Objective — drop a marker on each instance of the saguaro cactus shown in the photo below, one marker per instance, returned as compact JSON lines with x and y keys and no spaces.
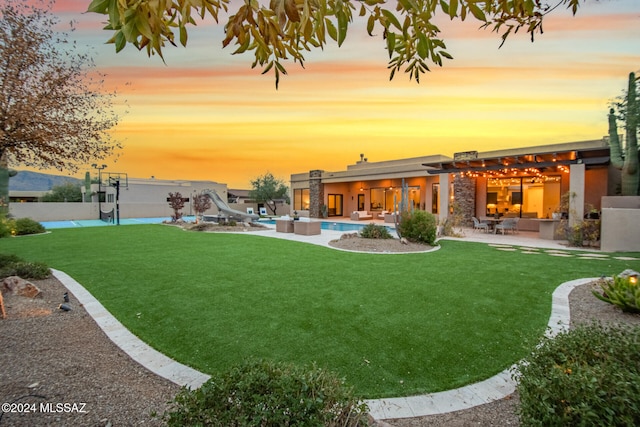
{"x":627,"y":162}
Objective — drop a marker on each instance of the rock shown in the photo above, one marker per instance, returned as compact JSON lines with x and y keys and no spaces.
{"x":628,"y":273}
{"x":18,"y":286}
{"x":404,"y":241}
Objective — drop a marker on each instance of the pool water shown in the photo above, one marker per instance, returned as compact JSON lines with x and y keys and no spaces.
{"x":336,"y":226}
{"x":50,"y":225}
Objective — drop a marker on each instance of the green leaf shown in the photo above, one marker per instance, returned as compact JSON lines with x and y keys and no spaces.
{"x":370,"y":24}
{"x":98,"y":6}
{"x":391,"y":19}
{"x":453,"y":9}
{"x":120,"y":41}
{"x":423,"y":46}
{"x":444,"y":6}
{"x":391,"y":43}
{"x":331,"y":29}
{"x":477,"y":12}
{"x":343,"y":24}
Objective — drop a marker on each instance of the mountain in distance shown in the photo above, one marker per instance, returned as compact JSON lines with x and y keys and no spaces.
{"x":35,"y":181}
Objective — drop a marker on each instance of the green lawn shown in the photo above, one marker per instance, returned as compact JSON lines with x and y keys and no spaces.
{"x":391,"y":325}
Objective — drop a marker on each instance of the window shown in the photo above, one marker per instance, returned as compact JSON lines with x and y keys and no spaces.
{"x":301,"y":199}
{"x":528,"y":197}
{"x":388,"y":199}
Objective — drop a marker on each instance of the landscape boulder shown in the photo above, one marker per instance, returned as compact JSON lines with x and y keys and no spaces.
{"x":21,"y":287}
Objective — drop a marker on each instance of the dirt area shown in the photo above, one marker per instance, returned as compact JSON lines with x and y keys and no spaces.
{"x":50,"y":356}
{"x":351,"y":242}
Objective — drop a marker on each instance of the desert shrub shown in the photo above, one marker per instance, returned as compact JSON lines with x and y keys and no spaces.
{"x":262,"y":393}
{"x":375,"y":231}
{"x":418,"y":226}
{"x":26,"y":270}
{"x":12,"y":265}
{"x":8,"y":259}
{"x":588,"y":376}
{"x":621,"y":290}
{"x":24,"y":226}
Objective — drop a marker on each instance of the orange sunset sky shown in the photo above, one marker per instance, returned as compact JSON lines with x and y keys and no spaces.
{"x":206,"y":115}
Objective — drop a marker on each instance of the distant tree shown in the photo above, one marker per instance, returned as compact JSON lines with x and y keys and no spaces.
{"x":283,"y":30}
{"x":267,"y":189}
{"x":52,"y":112}
{"x":201,"y":202}
{"x":177,"y":203}
{"x":67,"y":192}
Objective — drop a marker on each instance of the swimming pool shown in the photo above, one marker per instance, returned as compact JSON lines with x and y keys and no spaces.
{"x":336,"y":226}
{"x":51,"y":225}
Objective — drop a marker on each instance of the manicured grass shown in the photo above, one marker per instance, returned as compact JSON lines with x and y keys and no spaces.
{"x":390,"y":324}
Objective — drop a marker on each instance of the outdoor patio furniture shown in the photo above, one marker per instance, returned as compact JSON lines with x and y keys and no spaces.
{"x":306,"y":227}
{"x":480,"y":225}
{"x":360,"y":215}
{"x":284,"y":225}
{"x":508,"y":224}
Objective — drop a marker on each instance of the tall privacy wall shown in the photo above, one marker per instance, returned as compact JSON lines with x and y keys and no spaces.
{"x":80,"y":211}
{"x":620,"y":224}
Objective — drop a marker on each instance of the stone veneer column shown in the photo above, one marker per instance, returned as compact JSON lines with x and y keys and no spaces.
{"x":464,"y":195}
{"x":316,"y":194}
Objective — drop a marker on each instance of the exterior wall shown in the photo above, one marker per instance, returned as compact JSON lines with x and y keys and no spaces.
{"x":142,"y":198}
{"x":619,"y":230}
{"x":54,"y":211}
{"x":596,"y":186}
{"x":619,"y":224}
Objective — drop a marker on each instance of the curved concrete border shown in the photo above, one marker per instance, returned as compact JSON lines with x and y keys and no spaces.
{"x":494,"y":388}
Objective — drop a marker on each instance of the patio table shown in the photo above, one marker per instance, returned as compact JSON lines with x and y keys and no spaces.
{"x":492,"y":222}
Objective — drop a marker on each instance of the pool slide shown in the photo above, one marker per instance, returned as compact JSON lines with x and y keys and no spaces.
{"x":225,"y":209}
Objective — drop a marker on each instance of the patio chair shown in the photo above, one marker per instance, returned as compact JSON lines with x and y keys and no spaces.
{"x":480,"y":225}
{"x":508,"y":224}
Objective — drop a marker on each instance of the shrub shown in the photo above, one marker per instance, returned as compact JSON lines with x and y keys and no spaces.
{"x":24,"y":226}
{"x":262,"y":393}
{"x":418,"y":226}
{"x":6,"y":225}
{"x":12,"y":265}
{"x":589,"y":376}
{"x":8,"y":259}
{"x":374,"y":231}
{"x":621,"y":290}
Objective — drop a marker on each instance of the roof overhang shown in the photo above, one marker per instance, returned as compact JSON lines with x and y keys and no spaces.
{"x":541,"y":162}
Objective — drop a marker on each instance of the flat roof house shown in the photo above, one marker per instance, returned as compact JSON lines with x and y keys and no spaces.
{"x":523,"y":182}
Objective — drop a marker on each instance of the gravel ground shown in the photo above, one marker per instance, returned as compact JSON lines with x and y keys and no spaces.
{"x":50,"y":357}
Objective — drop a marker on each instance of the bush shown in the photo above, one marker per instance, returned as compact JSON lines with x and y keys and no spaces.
{"x":8,"y":259}
{"x":589,"y":376}
{"x":374,"y":231}
{"x":6,"y":226}
{"x":262,"y":393}
{"x":418,"y":226}
{"x":12,"y":265}
{"x":24,"y":226}
{"x":621,"y":290}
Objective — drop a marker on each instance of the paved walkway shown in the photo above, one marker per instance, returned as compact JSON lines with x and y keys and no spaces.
{"x":494,"y":388}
